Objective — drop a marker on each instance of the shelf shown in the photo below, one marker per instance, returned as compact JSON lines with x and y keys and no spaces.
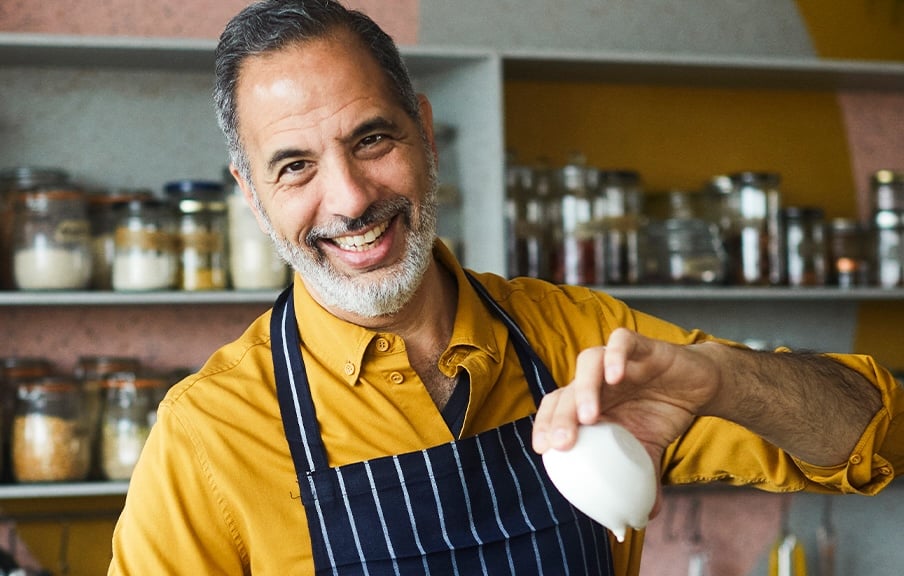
{"x":62,"y":490}
{"x":25,"y":49}
{"x":712,"y":71}
{"x":635,"y":293}
{"x":98,"y":298}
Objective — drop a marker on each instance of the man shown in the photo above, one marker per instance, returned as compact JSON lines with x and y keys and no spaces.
{"x":388,"y":415}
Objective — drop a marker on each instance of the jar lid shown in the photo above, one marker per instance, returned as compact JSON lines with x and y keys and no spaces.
{"x":15,"y":368}
{"x":192,"y":196}
{"x":137,"y":206}
{"x":754,"y":178}
{"x":132,"y":380}
{"x":99,"y":198}
{"x":25,"y":177}
{"x":887,"y":177}
{"x":803,"y":213}
{"x":53,"y":383}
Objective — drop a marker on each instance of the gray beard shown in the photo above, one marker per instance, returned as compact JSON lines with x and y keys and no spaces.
{"x":390,"y":288}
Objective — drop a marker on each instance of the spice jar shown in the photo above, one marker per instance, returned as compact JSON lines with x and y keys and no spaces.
{"x":888,"y":228}
{"x":201,"y":233}
{"x":129,"y":405}
{"x":574,"y":261}
{"x":805,"y":246}
{"x":254,"y":263}
{"x":753,"y":241}
{"x":617,"y":215}
{"x":51,"y":233}
{"x":848,"y":261}
{"x":144,"y":243}
{"x":50,"y":440}
{"x":102,"y":216}
{"x":528,"y":240}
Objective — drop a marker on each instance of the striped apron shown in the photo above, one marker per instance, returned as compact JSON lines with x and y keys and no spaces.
{"x":479,"y":505}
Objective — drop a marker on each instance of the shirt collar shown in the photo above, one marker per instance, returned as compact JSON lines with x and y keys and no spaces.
{"x":340,"y":346}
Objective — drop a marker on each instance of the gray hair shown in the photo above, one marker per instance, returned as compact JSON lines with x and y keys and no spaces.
{"x":270,"y":25}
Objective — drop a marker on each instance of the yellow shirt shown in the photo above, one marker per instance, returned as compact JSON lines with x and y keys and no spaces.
{"x":215,"y":490}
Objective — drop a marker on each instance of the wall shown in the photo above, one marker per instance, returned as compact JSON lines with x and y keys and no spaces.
{"x":677,"y":136}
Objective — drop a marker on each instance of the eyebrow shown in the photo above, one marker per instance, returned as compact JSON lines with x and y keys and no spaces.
{"x":375,"y":124}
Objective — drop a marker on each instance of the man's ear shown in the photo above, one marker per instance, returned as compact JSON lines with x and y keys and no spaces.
{"x":249,"y":196}
{"x":426,"y":110}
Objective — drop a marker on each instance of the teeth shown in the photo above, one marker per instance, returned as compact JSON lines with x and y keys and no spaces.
{"x":359,"y":242}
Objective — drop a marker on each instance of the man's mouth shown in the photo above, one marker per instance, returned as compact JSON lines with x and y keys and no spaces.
{"x":361,"y":242}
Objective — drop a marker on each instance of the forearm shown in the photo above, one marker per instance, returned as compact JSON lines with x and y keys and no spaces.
{"x":807,"y":404}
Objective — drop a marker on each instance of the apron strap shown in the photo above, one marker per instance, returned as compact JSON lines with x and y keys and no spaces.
{"x":307,"y":450}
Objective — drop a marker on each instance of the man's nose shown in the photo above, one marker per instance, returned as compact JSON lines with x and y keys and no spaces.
{"x":348,"y":189}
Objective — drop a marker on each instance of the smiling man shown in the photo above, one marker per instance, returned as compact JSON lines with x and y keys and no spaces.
{"x":387,"y":416}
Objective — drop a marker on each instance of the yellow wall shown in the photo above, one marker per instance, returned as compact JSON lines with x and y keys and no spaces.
{"x":855,"y":29}
{"x":678,"y":137}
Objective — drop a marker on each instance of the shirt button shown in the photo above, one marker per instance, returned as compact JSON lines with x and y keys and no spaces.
{"x":856,"y":459}
{"x":396,"y":378}
{"x":349,"y":368}
{"x":382,"y":344}
{"x":885,"y":470}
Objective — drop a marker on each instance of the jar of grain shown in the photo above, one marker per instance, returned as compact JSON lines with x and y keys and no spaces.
{"x":129,"y":405}
{"x":202,"y":234}
{"x":14,"y":371}
{"x":145,"y":246}
{"x":50,"y":439}
{"x":51,"y":234}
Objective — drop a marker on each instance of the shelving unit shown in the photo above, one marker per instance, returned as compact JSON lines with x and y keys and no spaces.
{"x":118,"y":94}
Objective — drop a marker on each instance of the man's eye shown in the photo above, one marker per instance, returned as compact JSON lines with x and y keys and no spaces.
{"x":295,"y":167}
{"x":372,"y":140}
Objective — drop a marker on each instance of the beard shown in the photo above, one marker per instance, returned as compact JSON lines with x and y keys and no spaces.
{"x":378,"y":293}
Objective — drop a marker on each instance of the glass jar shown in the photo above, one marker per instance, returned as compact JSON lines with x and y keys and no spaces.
{"x":13,"y":372}
{"x":617,"y":213}
{"x":254,"y":263}
{"x":887,"y":189}
{"x":201,"y":232}
{"x":805,"y":246}
{"x":527,"y":218}
{"x":847,"y":254}
{"x":145,"y":248}
{"x":51,"y":233}
{"x":129,"y":404}
{"x":575,"y":261}
{"x":754,"y":239}
{"x":448,"y":194}
{"x":102,"y":215}
{"x":50,"y":441}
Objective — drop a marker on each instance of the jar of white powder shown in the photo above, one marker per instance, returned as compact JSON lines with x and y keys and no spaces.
{"x":51,"y":234}
{"x":145,"y":255}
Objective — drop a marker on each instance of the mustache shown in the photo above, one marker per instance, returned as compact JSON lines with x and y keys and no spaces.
{"x":379,"y":211}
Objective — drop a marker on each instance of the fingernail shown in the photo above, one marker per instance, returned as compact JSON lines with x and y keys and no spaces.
{"x":585,"y":412}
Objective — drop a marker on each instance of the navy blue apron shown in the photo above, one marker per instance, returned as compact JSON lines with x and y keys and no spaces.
{"x":479,"y":505}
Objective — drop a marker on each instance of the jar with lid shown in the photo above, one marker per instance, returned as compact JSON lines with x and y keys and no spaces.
{"x":527,"y":219}
{"x":847,"y":254}
{"x":888,"y":228}
{"x":201,"y":232}
{"x":618,"y":214}
{"x":129,"y":404}
{"x":50,"y":441}
{"x":145,"y":246}
{"x":754,"y":239}
{"x":102,"y":215}
{"x":14,"y":371}
{"x":51,"y":233}
{"x":91,"y":372}
{"x":448,"y":193}
{"x":254,"y":263}
{"x":680,"y":247}
{"x":805,"y":245}
{"x":575,"y":258}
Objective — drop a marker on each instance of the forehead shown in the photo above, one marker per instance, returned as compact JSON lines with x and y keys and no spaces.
{"x":319,"y":71}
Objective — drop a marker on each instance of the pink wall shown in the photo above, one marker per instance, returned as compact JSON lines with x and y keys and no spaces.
{"x":172,"y":18}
